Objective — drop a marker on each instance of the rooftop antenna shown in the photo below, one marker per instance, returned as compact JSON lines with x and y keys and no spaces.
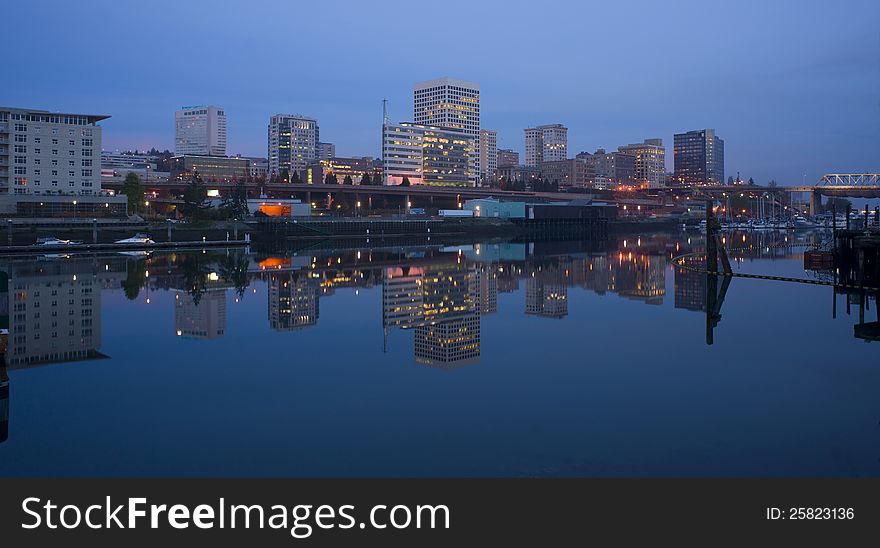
{"x":385,"y":120}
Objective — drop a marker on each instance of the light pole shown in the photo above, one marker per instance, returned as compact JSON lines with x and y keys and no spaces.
{"x":74,"y":209}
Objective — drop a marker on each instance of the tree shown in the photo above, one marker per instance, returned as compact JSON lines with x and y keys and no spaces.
{"x":347,"y":180}
{"x":365,"y":180}
{"x":194,"y":197}
{"x":330,"y":179}
{"x":837,"y":204}
{"x":134,"y":279}
{"x":135,"y":192}
{"x":730,"y":180}
{"x":772,"y":183}
{"x":294,"y":177}
{"x":405,"y":181}
{"x":751,"y":182}
{"x":236,"y":203}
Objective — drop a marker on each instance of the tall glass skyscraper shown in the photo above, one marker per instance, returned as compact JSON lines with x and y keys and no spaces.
{"x":699,"y":158}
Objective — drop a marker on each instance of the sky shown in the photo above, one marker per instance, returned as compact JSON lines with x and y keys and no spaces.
{"x":793,"y":87}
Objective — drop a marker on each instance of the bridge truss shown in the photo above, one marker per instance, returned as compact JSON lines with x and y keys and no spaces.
{"x":861,"y":180}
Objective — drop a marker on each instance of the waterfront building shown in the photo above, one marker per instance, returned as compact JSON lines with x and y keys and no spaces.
{"x":507,"y":158}
{"x":50,"y":164}
{"x":649,"y":166}
{"x":204,"y":318}
{"x":546,"y":143}
{"x":293,"y":144}
{"x":427,"y":155}
{"x":210,"y":168}
{"x":488,"y":154}
{"x":200,"y":130}
{"x":699,"y":158}
{"x":450,"y":103}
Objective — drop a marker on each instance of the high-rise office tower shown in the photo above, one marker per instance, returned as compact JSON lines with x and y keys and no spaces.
{"x":449,"y":102}
{"x":293,"y":144}
{"x":699,"y":158}
{"x":547,"y":143}
{"x":488,"y":160}
{"x":200,"y":130}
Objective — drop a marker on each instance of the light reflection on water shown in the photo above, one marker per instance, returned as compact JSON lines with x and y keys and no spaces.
{"x":488,"y":359}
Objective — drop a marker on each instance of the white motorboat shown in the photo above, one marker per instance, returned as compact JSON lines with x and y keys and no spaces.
{"x":52,"y":241}
{"x":138,"y":238}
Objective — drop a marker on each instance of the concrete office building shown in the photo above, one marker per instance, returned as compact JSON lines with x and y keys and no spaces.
{"x":547,"y":143}
{"x":326,"y":151}
{"x":451,"y":103}
{"x":649,"y":167}
{"x":427,"y":155}
{"x":507,"y":158}
{"x":355,"y":168}
{"x":50,"y":164}
{"x":259,"y":167}
{"x":571,"y":173}
{"x":200,"y":130}
{"x":608,"y":169}
{"x":488,"y":154}
{"x":293,"y":144}
{"x":699,"y":158}
{"x":210,"y":168}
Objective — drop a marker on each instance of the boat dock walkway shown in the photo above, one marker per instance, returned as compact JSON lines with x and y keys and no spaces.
{"x":35,"y":248}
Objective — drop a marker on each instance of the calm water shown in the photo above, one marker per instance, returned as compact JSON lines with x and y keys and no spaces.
{"x":479,"y":359}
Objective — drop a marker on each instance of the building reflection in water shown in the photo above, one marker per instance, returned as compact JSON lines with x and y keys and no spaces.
{"x":293,"y":300}
{"x":547,"y":293}
{"x":441,"y":303}
{"x":205,"y":319}
{"x":55,"y":309}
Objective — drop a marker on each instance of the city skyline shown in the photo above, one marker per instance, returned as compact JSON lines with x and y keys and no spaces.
{"x":789,"y":106}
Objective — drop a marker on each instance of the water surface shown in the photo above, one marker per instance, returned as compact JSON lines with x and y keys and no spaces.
{"x":473,"y":359}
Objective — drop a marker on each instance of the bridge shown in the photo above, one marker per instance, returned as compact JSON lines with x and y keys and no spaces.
{"x":366,"y":196}
{"x":842,"y":185}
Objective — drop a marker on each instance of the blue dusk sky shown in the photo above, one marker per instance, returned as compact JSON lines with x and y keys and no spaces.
{"x":793,"y":87}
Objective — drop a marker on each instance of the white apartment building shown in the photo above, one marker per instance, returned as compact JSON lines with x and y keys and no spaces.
{"x":427,"y":155}
{"x":488,"y":153}
{"x":451,"y":103}
{"x":50,"y":161}
{"x":200,"y":130}
{"x":547,"y":143}
{"x":293,"y":144}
